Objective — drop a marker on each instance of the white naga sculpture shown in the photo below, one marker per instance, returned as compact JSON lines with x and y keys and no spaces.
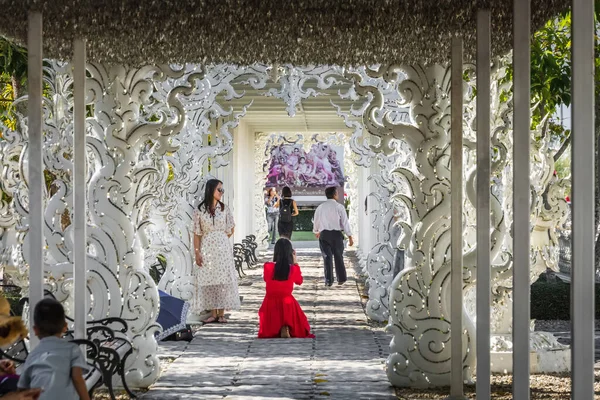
{"x":169,"y":228}
{"x":153,"y":131}
{"x":420,"y":303}
{"x":549,"y":210}
{"x":119,"y":189}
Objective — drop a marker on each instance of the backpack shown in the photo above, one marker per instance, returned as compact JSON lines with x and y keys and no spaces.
{"x":285,"y":210}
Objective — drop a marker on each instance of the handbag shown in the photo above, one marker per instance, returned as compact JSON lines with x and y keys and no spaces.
{"x":184,"y":334}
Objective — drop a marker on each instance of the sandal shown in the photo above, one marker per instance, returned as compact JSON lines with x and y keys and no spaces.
{"x":222,"y":320}
{"x":209,"y":320}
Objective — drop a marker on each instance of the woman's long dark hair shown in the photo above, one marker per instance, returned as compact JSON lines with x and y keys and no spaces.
{"x":283,"y":256}
{"x":286,"y":192}
{"x":209,"y":196}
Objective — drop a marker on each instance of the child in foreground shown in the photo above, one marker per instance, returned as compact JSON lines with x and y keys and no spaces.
{"x":280,"y":314}
{"x":55,"y":365}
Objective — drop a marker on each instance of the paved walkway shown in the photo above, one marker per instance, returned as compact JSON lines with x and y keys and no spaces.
{"x":345,"y":361}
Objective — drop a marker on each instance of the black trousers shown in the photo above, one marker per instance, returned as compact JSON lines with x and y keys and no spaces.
{"x":332,"y":249}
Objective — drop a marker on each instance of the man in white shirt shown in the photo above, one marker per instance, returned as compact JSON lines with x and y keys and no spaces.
{"x":329,"y":222}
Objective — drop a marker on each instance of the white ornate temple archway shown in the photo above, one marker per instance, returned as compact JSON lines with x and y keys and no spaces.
{"x":148,"y":162}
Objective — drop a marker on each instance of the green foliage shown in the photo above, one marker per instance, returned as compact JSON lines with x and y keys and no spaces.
{"x":171,"y":174}
{"x":5,"y":197}
{"x":49,"y":178}
{"x":563,"y":167}
{"x":552,"y":300}
{"x":303,"y":222}
{"x":551,"y":72}
{"x":7,"y":97}
{"x":13,"y":59}
{"x":154,"y":273}
{"x":13,"y":77}
{"x":551,"y":67}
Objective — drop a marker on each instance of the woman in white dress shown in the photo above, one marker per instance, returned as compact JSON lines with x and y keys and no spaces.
{"x":216,"y":280}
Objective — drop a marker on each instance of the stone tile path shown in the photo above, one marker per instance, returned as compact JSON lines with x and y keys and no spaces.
{"x":345,"y":361}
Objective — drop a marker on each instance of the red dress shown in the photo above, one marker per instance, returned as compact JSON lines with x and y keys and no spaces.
{"x":280,"y":308}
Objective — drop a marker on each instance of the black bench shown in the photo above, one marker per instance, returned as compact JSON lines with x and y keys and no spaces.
{"x":239,"y":256}
{"x":245,"y":252}
{"x":109,"y":336}
{"x":251,"y":246}
{"x":94,"y":377}
{"x":158,"y":270}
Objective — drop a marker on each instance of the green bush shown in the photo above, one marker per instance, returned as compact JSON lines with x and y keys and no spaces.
{"x":303,"y":221}
{"x":552,"y":300}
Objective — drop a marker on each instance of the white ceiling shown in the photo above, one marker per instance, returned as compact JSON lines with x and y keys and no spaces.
{"x":314,"y":114}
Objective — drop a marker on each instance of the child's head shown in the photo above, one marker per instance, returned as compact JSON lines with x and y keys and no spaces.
{"x":49,"y":318}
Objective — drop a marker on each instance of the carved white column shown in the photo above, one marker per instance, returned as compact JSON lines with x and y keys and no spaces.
{"x":243,"y":187}
{"x":170,"y":224}
{"x":420,"y":299}
{"x":261,"y":157}
{"x":384,"y":234}
{"x":363,"y":222}
{"x":373,"y":204}
{"x":121,"y":187}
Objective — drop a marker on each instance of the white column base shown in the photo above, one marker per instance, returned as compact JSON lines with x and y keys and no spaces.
{"x":547,"y":355}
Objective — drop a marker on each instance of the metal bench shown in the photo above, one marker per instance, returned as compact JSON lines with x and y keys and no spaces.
{"x":239,"y":256}
{"x":158,"y":270}
{"x":252,"y":245}
{"x":109,"y":335}
{"x":249,"y":247}
{"x":94,"y":376}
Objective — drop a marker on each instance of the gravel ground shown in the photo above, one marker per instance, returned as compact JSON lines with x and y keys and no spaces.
{"x":542,"y":387}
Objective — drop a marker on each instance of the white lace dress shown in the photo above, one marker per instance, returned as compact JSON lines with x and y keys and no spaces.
{"x":216,"y":279}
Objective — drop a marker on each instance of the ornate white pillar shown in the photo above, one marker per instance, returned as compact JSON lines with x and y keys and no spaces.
{"x":243,"y":181}
{"x":384,"y":234}
{"x":420,"y":296}
{"x":259,"y":220}
{"x":372,"y":204}
{"x":121,"y":188}
{"x":363,"y":220}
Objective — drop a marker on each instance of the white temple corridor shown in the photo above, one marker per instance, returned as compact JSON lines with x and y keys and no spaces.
{"x":344,"y":361}
{"x":465,"y":194}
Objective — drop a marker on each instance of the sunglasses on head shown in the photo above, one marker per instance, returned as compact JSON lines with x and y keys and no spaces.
{"x":221,"y":190}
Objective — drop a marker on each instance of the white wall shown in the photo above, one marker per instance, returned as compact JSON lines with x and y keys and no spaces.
{"x":363,"y":220}
{"x":243,"y":181}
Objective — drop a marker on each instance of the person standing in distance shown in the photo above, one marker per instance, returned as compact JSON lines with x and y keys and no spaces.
{"x":287,"y":209}
{"x":271,"y":202}
{"x":329,"y":222}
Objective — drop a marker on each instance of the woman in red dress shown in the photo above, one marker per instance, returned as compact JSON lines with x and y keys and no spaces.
{"x":280,"y":314}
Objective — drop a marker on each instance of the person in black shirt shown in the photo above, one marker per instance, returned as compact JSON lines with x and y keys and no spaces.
{"x":287,"y":209}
